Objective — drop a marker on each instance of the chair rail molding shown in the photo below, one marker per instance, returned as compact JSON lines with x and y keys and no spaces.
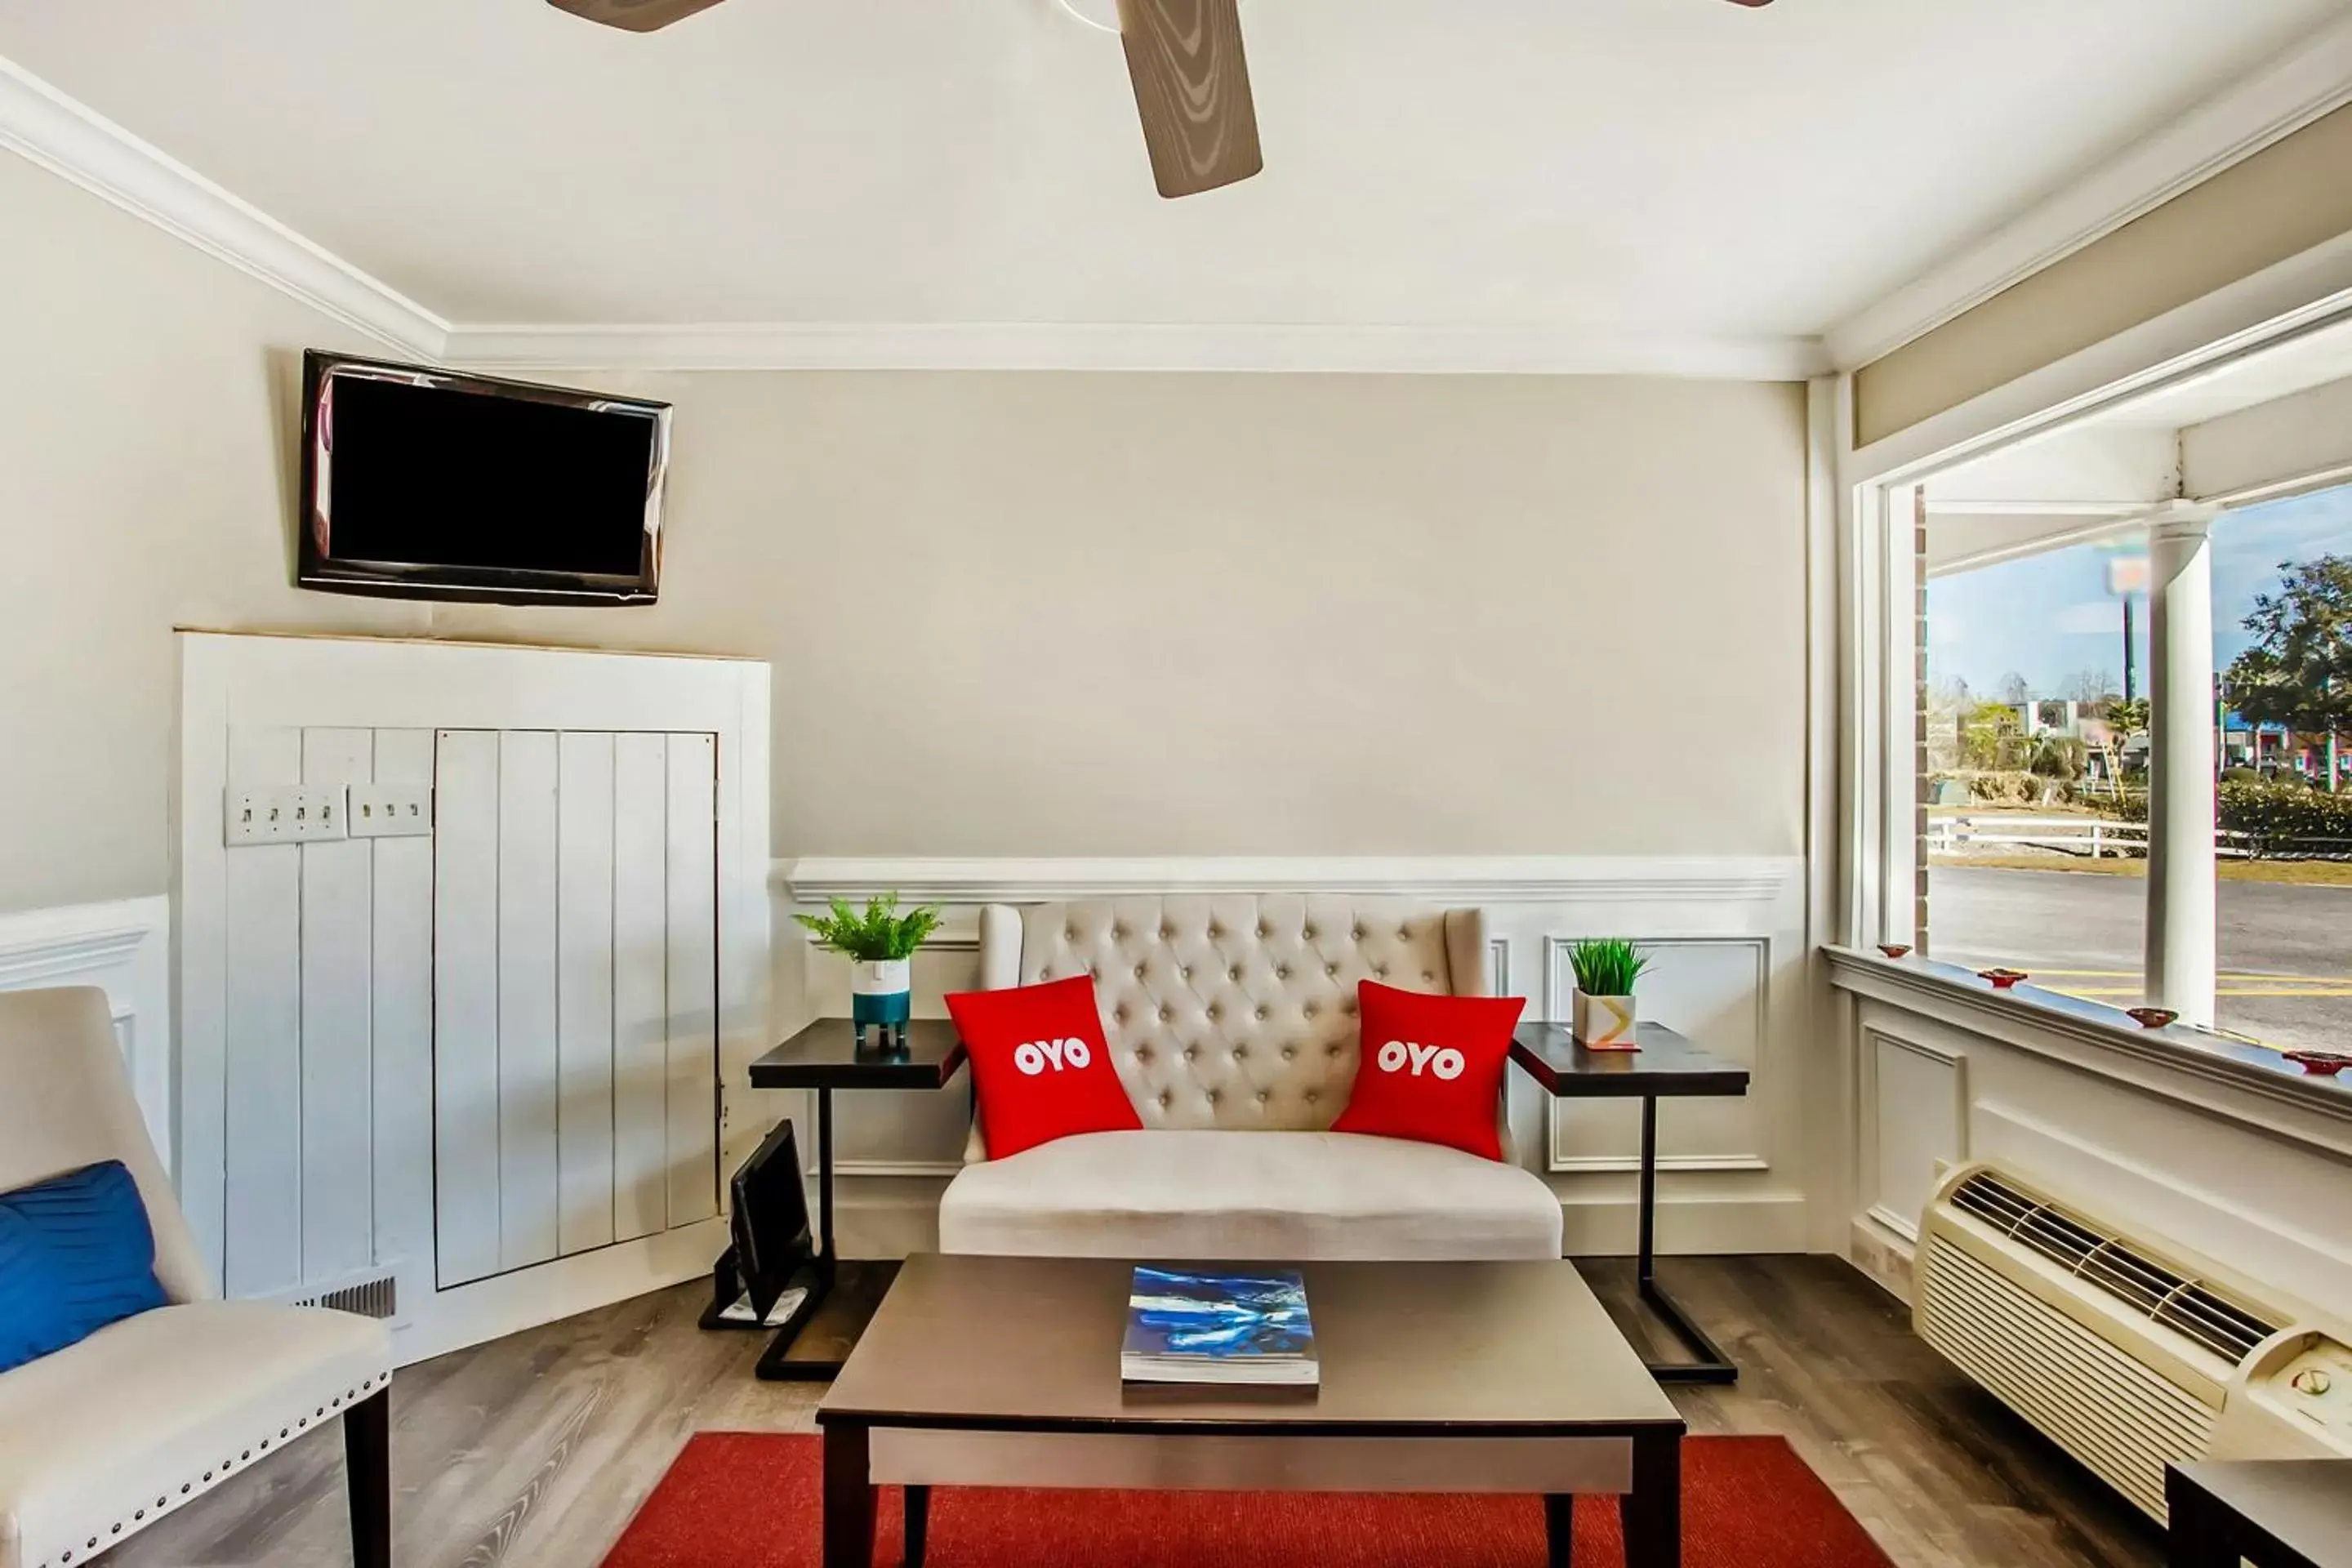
{"x":123,"y":947}
{"x":1708,"y":881}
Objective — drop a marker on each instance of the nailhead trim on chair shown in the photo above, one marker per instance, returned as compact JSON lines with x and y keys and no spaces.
{"x":189,"y":1489}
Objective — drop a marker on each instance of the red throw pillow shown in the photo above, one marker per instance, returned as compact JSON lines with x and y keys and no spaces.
{"x":1432,"y":1066}
{"x":1040,"y":1066}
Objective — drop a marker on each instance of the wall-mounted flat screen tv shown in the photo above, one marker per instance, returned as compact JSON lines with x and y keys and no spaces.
{"x":425,"y":484}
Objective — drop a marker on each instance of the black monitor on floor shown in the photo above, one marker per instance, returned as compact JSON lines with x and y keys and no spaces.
{"x":770,"y":1221}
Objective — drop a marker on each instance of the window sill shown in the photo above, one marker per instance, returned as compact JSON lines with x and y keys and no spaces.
{"x":1956,"y":995}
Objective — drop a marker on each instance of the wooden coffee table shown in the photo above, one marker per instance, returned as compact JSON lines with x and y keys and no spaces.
{"x":1437,"y":1377}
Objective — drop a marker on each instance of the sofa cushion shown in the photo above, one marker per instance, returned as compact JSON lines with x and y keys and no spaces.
{"x":1039,"y":1067}
{"x":1432,"y":1068}
{"x":75,"y":1256}
{"x":145,"y":1414}
{"x":1277,"y":1196}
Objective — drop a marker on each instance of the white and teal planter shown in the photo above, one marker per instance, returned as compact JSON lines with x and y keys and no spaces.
{"x":881,"y":992}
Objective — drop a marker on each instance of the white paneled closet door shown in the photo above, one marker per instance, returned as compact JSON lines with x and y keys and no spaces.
{"x":575,"y":993}
{"x":328,"y":1018}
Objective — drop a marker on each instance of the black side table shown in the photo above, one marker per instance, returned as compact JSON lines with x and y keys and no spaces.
{"x":825,"y":1056}
{"x":2274,"y":1514}
{"x":1666,"y":1065}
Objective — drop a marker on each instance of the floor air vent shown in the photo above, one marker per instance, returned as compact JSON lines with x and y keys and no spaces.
{"x":2187,"y":1306}
{"x":376,"y":1298}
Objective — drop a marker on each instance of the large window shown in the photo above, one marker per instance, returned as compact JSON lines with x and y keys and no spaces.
{"x":2034,"y":756}
{"x":2040,"y":732}
{"x":2282,"y":652}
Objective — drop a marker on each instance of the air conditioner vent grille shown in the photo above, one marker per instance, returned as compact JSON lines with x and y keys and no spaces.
{"x":2160,"y":1294}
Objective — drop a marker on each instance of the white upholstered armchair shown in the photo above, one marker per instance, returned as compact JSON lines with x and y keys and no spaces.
{"x":1232,"y":1022}
{"x":101,"y":1440}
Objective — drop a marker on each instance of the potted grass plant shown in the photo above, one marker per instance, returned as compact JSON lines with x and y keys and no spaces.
{"x":880,"y":946}
{"x":1606,"y":969}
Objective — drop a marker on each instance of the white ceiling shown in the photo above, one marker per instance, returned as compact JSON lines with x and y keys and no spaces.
{"x":1635,"y":165}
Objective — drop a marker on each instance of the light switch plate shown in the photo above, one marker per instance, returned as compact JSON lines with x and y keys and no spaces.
{"x":391,"y":811}
{"x":290,"y":813}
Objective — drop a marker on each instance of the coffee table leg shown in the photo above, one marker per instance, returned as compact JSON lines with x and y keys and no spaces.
{"x":1653,"y":1511}
{"x":849,"y":1498}
{"x":919,"y":1524}
{"x":1559,"y":1529}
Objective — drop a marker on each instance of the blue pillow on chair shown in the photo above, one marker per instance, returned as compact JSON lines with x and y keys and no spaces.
{"x":75,"y":1254}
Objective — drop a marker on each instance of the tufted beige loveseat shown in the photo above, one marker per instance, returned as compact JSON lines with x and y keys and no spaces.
{"x":1232,"y":1021}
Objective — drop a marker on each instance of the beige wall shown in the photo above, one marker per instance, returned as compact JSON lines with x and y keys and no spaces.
{"x":1008,"y":614}
{"x":2282,"y":201}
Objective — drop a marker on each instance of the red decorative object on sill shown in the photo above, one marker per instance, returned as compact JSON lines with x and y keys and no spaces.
{"x":2320,"y":1064}
{"x":2151,"y":1018}
{"x":1894,"y":949}
{"x":2002,"y":979}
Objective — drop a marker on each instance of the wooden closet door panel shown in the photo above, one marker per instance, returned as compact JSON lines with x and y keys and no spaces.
{"x":585,"y":990}
{"x":401,"y":1026}
{"x":338,"y":1118}
{"x":693,"y":964}
{"x":465,"y":1005}
{"x":640,"y":984}
{"x":529,"y":1077}
{"x":262,"y":1132}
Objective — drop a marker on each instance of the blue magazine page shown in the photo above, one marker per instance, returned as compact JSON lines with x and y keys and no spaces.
{"x":1181,"y":1316}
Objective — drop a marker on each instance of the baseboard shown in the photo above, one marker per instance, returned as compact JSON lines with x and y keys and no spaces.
{"x":444,"y":1320}
{"x":1883,"y":1256}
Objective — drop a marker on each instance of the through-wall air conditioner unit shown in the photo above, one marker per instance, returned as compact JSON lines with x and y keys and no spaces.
{"x":2127,"y":1352}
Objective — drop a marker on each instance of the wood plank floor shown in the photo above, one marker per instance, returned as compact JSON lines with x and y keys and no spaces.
{"x":536,"y":1449}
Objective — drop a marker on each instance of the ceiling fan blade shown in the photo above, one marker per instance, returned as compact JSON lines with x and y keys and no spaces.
{"x":1192,"y":88}
{"x":1751,"y":2}
{"x":635,"y":16}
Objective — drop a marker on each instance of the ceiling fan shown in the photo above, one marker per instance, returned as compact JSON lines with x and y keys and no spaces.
{"x":1184,"y":57}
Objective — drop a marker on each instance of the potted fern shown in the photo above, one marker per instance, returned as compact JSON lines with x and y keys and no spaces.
{"x":880,"y":946}
{"x":1606,"y":969}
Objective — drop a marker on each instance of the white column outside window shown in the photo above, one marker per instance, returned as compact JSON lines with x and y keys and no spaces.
{"x":2182,"y":904}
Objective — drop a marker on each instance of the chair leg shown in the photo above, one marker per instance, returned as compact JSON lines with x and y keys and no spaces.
{"x":367,"y":1477}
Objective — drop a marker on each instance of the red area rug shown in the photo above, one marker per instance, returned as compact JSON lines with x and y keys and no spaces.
{"x":737,"y":1500}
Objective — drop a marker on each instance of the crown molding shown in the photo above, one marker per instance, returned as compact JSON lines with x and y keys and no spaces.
{"x":1123,"y":346}
{"x":78,"y":143}
{"x":2309,"y":80}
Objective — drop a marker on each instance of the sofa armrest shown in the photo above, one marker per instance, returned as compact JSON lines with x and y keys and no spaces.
{"x":1466,"y":953}
{"x":1000,"y":947}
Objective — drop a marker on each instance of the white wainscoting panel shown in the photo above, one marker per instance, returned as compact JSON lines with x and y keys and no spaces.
{"x":1917,"y":1096}
{"x":2170,"y":1152}
{"x":1730,"y":935}
{"x":1715,"y":991}
{"x":124,"y":949}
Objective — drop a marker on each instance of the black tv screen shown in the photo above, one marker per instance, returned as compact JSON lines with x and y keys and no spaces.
{"x":422,"y":483}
